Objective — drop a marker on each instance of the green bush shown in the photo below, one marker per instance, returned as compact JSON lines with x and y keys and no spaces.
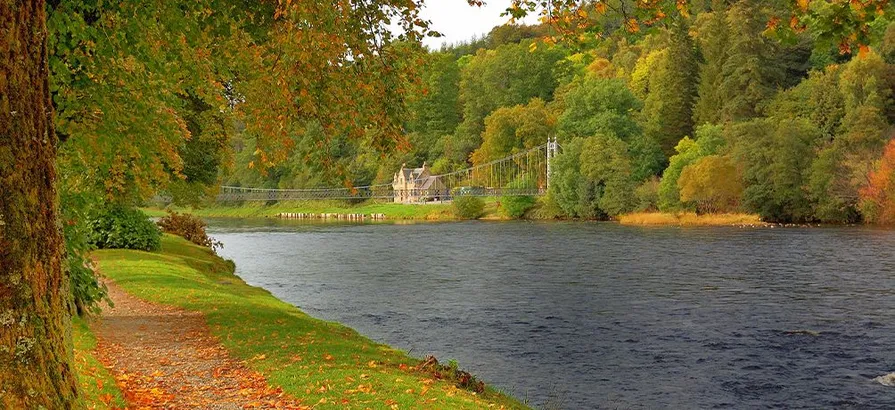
{"x":515,"y":206}
{"x":647,"y":195}
{"x":120,"y":227}
{"x":469,"y":207}
{"x":87,"y":291}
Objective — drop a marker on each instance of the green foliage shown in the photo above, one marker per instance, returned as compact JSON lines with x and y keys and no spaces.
{"x":595,"y":105}
{"x":567,"y":189}
{"x":434,"y":109}
{"x":647,"y":196}
{"x":712,"y":37}
{"x":87,"y":291}
{"x":121,"y":227}
{"x":750,"y":71}
{"x":592,"y":178}
{"x":712,"y":184}
{"x":509,"y":75}
{"x":709,"y":141}
{"x":606,"y":165}
{"x":775,"y":156}
{"x":189,"y":227}
{"x":207,"y":99}
{"x":666,"y":79}
{"x":515,"y":206}
{"x":598,"y":105}
{"x":468,"y":207}
{"x":512,"y":129}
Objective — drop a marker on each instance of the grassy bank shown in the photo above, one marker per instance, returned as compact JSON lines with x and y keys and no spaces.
{"x":324,"y":364}
{"x":689,"y":219}
{"x":392,"y":211}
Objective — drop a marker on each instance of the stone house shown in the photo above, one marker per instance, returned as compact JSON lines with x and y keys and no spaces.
{"x":413,"y":185}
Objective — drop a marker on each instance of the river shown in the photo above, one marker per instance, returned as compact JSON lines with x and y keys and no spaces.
{"x":598,"y":315}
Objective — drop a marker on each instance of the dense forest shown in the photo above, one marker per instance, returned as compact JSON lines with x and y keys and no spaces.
{"x":710,"y":113}
{"x":784,"y":110}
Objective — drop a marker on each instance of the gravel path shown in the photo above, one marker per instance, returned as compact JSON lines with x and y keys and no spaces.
{"x":166,"y":358}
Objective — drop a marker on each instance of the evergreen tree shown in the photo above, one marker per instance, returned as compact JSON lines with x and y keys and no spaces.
{"x":667,"y":82}
{"x":750,"y":74}
{"x":712,"y":38}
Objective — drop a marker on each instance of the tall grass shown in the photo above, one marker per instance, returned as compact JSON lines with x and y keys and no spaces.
{"x":689,"y":219}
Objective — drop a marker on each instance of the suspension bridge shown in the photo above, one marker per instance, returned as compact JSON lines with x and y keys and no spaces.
{"x":522,"y":173}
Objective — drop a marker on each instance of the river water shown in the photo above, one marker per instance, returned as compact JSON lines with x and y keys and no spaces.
{"x":597,"y":315}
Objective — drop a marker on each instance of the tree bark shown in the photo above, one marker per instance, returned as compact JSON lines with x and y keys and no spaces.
{"x":35,"y":309}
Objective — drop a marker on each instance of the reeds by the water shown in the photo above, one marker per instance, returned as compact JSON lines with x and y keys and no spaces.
{"x":689,"y":219}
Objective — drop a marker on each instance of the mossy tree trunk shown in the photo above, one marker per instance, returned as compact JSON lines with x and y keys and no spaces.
{"x":35,"y":350}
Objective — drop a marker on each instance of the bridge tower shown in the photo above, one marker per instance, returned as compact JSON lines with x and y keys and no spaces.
{"x":552,"y":150}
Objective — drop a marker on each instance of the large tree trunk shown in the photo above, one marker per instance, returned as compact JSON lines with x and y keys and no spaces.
{"x":35,"y":349}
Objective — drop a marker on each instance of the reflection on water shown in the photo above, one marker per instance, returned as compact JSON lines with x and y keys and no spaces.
{"x":596,"y":315}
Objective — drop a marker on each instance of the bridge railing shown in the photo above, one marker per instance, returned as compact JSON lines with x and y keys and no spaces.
{"x":236,"y":194}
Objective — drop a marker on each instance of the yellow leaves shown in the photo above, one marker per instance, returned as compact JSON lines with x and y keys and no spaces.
{"x":803,"y":4}
{"x":682,"y":8}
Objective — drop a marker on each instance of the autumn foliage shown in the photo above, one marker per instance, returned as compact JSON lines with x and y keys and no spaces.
{"x":190,"y":227}
{"x":878,"y":196}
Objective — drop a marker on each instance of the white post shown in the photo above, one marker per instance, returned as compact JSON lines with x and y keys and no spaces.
{"x":551,"y":142}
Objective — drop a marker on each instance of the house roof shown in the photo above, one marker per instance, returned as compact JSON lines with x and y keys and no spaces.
{"x":418,"y":177}
{"x":412,"y":173}
{"x":426,"y":183}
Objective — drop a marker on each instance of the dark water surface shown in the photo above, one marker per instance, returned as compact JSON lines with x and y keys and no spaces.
{"x":597,"y":315}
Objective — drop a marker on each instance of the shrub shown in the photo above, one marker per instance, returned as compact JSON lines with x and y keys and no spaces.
{"x":87,"y":290}
{"x":712,"y":183}
{"x":515,"y":206}
{"x":190,"y":227}
{"x":647,"y":195}
{"x":469,"y":207}
{"x":121,"y":227}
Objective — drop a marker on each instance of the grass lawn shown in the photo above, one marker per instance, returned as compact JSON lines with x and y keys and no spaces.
{"x":392,"y":211}
{"x":324,"y":364}
{"x":262,"y":209}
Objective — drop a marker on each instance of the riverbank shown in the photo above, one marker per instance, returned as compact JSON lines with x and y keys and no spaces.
{"x":690,"y":219}
{"x":388,"y":211}
{"x":323,"y":364}
{"x":391,"y":211}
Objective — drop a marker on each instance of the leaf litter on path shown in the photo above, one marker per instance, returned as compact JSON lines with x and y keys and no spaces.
{"x":166,"y":358}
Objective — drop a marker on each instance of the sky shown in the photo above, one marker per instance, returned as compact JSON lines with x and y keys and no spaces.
{"x":458,"y":21}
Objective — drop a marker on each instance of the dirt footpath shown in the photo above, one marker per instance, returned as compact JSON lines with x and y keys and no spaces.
{"x":166,"y":358}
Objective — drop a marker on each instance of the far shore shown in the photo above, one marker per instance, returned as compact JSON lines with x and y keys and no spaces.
{"x":691,"y":219}
{"x":439,"y":212}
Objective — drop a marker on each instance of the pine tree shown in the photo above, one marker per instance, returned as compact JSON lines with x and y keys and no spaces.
{"x":712,"y":38}
{"x":750,"y":74}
